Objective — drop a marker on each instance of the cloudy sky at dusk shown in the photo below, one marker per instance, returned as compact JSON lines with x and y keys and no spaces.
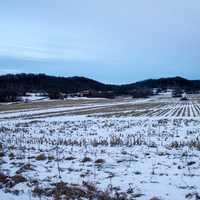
{"x":113,"y":41}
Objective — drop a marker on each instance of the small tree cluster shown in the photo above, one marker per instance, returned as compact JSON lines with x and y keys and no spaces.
{"x":55,"y":95}
{"x":142,"y":93}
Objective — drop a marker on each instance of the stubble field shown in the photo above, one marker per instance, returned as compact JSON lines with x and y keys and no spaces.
{"x":117,"y":149}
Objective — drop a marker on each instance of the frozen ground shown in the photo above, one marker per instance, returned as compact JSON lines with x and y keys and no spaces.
{"x":144,"y":149}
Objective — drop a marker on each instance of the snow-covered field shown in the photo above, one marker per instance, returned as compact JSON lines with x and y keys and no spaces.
{"x":146,"y":149}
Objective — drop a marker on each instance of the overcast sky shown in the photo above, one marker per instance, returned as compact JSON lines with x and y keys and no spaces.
{"x":113,"y":41}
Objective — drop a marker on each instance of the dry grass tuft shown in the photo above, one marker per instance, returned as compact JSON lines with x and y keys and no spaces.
{"x":3,"y":178}
{"x":100,"y":161}
{"x":41,"y":157}
{"x":62,"y":190}
{"x":18,"y":179}
{"x":86,"y":159}
{"x":24,"y":168}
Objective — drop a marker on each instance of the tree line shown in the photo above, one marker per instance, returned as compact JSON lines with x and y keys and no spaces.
{"x":12,"y":86}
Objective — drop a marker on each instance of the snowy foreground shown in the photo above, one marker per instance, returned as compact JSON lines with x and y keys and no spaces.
{"x":137,"y":150}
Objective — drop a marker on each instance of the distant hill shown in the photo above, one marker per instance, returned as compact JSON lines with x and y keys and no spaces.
{"x":22,"y":83}
{"x":164,"y":83}
{"x":41,"y":82}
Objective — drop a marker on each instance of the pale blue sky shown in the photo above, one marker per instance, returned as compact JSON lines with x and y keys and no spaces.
{"x":114,"y":41}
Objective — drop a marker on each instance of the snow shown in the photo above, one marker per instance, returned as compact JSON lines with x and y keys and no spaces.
{"x":155,"y":154}
{"x":33,"y":98}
